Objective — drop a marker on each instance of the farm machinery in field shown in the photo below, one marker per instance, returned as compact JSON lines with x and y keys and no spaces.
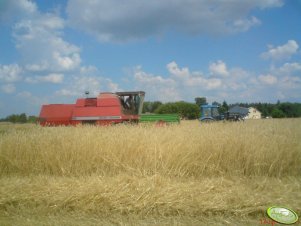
{"x":210,"y":113}
{"x":105,"y":109}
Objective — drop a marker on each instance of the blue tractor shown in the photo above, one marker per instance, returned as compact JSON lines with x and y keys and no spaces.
{"x":210,"y":113}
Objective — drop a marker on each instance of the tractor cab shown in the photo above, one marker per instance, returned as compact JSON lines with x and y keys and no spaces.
{"x":131,"y":102}
{"x":210,"y":113}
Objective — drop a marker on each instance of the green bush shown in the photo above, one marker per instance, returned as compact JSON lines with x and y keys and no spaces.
{"x":184,"y":109}
{"x":277,"y":113}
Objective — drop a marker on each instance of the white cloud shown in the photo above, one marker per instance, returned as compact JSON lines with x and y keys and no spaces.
{"x":213,"y":84}
{"x":42,"y":66}
{"x":282,"y":82}
{"x":88,"y":70}
{"x":39,"y":41}
{"x":24,"y":94}
{"x":31,"y":99}
{"x":245,"y":24}
{"x":291,"y":83}
{"x":195,"y":82}
{"x":11,"y":9}
{"x":10,"y":73}
{"x":192,"y":79}
{"x":51,"y":78}
{"x":67,"y":62}
{"x":38,"y":38}
{"x":88,"y":79}
{"x":66,"y":92}
{"x":45,"y":55}
{"x":288,"y":69}
{"x":182,"y":84}
{"x":50,"y":21}
{"x":268,"y":79}
{"x":238,"y":86}
{"x":48,"y":58}
{"x":155,"y":86}
{"x":281,"y":52}
{"x":109,"y":20}
{"x":150,"y":79}
{"x":181,"y":73}
{"x":239,"y":74}
{"x":218,"y":69}
{"x":269,"y":3}
{"x":288,"y":76}
{"x":8,"y":88}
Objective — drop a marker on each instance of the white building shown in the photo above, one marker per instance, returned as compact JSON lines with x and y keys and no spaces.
{"x":253,"y":114}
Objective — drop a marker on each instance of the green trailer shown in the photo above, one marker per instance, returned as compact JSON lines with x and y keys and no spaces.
{"x":160,"y":118}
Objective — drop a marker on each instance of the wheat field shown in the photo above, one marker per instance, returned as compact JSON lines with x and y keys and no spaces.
{"x":187,"y":174}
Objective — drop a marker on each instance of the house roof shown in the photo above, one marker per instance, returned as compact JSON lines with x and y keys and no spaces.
{"x":239,"y":110}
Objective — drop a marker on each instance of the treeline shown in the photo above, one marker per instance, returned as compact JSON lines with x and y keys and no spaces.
{"x":278,"y":110}
{"x":184,"y":109}
{"x":192,"y":110}
{"x":21,"y":118}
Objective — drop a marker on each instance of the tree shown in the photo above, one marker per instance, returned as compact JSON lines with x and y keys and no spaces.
{"x":156,"y":105}
{"x":22,"y":118}
{"x":290,"y":109}
{"x":146,"y":107}
{"x":32,"y":119}
{"x":216,"y":103}
{"x":200,"y":101}
{"x":224,"y":107}
{"x":186,"y":110}
{"x":277,"y":113}
{"x":12,"y":118}
{"x":151,"y":106}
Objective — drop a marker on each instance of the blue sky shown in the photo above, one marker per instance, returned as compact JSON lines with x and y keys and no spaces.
{"x":238,"y":51}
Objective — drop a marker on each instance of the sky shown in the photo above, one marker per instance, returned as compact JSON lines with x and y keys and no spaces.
{"x":174,"y":50}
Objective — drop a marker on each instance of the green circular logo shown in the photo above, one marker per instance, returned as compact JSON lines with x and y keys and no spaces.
{"x":282,"y":215}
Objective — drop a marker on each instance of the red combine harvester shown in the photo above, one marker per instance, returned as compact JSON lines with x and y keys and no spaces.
{"x":106,"y":109}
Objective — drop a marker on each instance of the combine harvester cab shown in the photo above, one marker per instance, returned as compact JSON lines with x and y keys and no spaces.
{"x":106,"y":109}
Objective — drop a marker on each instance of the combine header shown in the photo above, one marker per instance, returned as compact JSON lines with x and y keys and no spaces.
{"x":105,"y":109}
